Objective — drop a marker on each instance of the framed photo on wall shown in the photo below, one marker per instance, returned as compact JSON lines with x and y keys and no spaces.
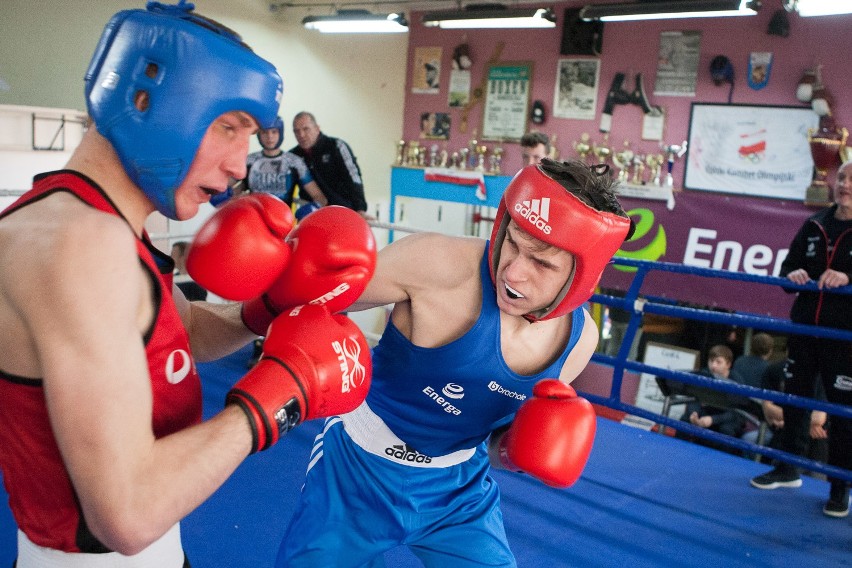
{"x":507,"y":101}
{"x":750,"y":150}
{"x":576,"y":88}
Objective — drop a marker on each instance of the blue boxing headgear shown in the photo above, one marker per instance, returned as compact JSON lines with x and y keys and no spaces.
{"x":192,"y":70}
{"x":279,"y":126}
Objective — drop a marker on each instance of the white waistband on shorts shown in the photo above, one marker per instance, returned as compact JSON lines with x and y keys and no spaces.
{"x":371,"y":434}
{"x":165,"y":552}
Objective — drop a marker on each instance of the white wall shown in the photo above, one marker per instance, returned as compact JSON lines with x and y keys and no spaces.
{"x":353,"y":84}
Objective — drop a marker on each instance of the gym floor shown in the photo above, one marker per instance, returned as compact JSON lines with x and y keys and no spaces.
{"x":644,"y":500}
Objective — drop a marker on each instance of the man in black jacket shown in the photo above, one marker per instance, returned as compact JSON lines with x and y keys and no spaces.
{"x":331,"y":162}
{"x":820,"y":252}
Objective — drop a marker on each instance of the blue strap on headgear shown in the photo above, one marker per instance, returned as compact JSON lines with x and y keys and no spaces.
{"x":192,"y":70}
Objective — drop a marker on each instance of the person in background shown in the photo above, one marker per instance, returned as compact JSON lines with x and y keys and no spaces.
{"x":472,"y":368}
{"x":751,"y":367}
{"x":535,"y":146}
{"x":332,"y":164}
{"x":274,"y":171}
{"x":723,"y":420}
{"x":821,"y":253}
{"x":775,"y":378}
{"x":103,"y":449}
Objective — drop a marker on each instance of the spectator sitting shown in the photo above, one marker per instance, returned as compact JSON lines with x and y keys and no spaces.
{"x":722,"y":420}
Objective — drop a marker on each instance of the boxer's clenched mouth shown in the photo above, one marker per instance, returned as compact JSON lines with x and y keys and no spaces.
{"x":514,"y":294}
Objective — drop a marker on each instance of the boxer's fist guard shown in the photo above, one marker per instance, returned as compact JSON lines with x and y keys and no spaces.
{"x":552,"y":435}
{"x":240,"y":251}
{"x":333,"y":258}
{"x":314,"y":365}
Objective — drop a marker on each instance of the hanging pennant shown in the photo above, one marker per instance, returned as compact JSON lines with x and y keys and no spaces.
{"x":759,"y":66}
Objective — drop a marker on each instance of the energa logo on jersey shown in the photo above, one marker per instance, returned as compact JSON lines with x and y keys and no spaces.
{"x":537,"y":212}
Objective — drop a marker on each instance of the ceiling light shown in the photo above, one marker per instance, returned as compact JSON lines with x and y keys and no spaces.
{"x":670,"y":9}
{"x":491,"y":16}
{"x":808,"y":8}
{"x":357,"y":22}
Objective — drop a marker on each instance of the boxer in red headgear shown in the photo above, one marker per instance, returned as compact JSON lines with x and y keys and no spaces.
{"x":473,"y":369}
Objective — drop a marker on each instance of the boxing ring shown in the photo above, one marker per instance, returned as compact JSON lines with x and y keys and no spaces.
{"x":644,"y":499}
{"x":637,"y":305}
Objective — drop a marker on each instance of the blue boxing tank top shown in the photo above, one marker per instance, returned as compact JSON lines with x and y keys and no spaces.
{"x":449,"y":398}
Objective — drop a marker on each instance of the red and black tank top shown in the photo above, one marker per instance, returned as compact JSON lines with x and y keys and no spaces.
{"x":41,"y":496}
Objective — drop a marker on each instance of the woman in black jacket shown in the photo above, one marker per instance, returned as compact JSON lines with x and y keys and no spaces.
{"x":821,"y":252}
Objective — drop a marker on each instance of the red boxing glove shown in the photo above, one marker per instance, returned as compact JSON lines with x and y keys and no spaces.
{"x":551,"y":436}
{"x":240,"y":251}
{"x":314,"y":365}
{"x":333,"y":259}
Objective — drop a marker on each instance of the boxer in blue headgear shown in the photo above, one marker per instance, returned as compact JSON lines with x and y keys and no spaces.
{"x":102,"y":446}
{"x":277,"y":126}
{"x":158,"y":79}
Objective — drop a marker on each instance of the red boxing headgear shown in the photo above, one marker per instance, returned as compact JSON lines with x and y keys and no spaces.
{"x":544,"y":209}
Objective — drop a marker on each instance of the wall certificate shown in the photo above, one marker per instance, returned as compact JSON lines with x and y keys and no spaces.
{"x":507,"y":101}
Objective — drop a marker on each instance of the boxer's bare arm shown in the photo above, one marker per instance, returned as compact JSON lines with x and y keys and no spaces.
{"x":84,"y":309}
{"x":582,"y":351}
{"x":416,"y":264}
{"x":433,"y":280}
{"x":215,"y":329}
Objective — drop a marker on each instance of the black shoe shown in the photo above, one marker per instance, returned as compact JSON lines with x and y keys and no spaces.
{"x":838,"y":501}
{"x":778,"y":477}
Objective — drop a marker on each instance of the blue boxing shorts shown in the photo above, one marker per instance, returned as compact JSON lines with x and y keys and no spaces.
{"x":356,"y":505}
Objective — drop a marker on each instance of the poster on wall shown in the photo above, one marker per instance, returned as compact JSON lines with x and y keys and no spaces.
{"x":435,"y":125}
{"x":677,"y":64}
{"x":576,"y":88}
{"x":459,"y":94}
{"x":669,"y":357}
{"x":426,"y":70}
{"x":750,"y":150}
{"x":507,"y":101}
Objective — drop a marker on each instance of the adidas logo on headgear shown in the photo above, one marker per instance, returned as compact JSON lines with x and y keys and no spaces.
{"x":537,"y":212}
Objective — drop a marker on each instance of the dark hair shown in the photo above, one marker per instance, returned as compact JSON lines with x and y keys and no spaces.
{"x":593,"y":185}
{"x":533,"y":139}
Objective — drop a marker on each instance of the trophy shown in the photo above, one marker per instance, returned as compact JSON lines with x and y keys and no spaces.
{"x":655,"y":162}
{"x":638,"y":170}
{"x":400,"y":152}
{"x":601,"y":151}
{"x":481,"y":150}
{"x":828,"y":145}
{"x":463,"y":157}
{"x":582,"y":146}
{"x":496,"y":161}
{"x":673,"y":151}
{"x":472,"y":148}
{"x":413,"y":154}
{"x":554,"y":151}
{"x":623,"y":159}
{"x":433,"y":156}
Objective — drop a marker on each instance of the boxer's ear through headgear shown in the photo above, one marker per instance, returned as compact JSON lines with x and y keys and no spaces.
{"x":188,"y":70}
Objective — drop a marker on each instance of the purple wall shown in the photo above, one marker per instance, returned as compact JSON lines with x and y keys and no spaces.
{"x":631,"y":47}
